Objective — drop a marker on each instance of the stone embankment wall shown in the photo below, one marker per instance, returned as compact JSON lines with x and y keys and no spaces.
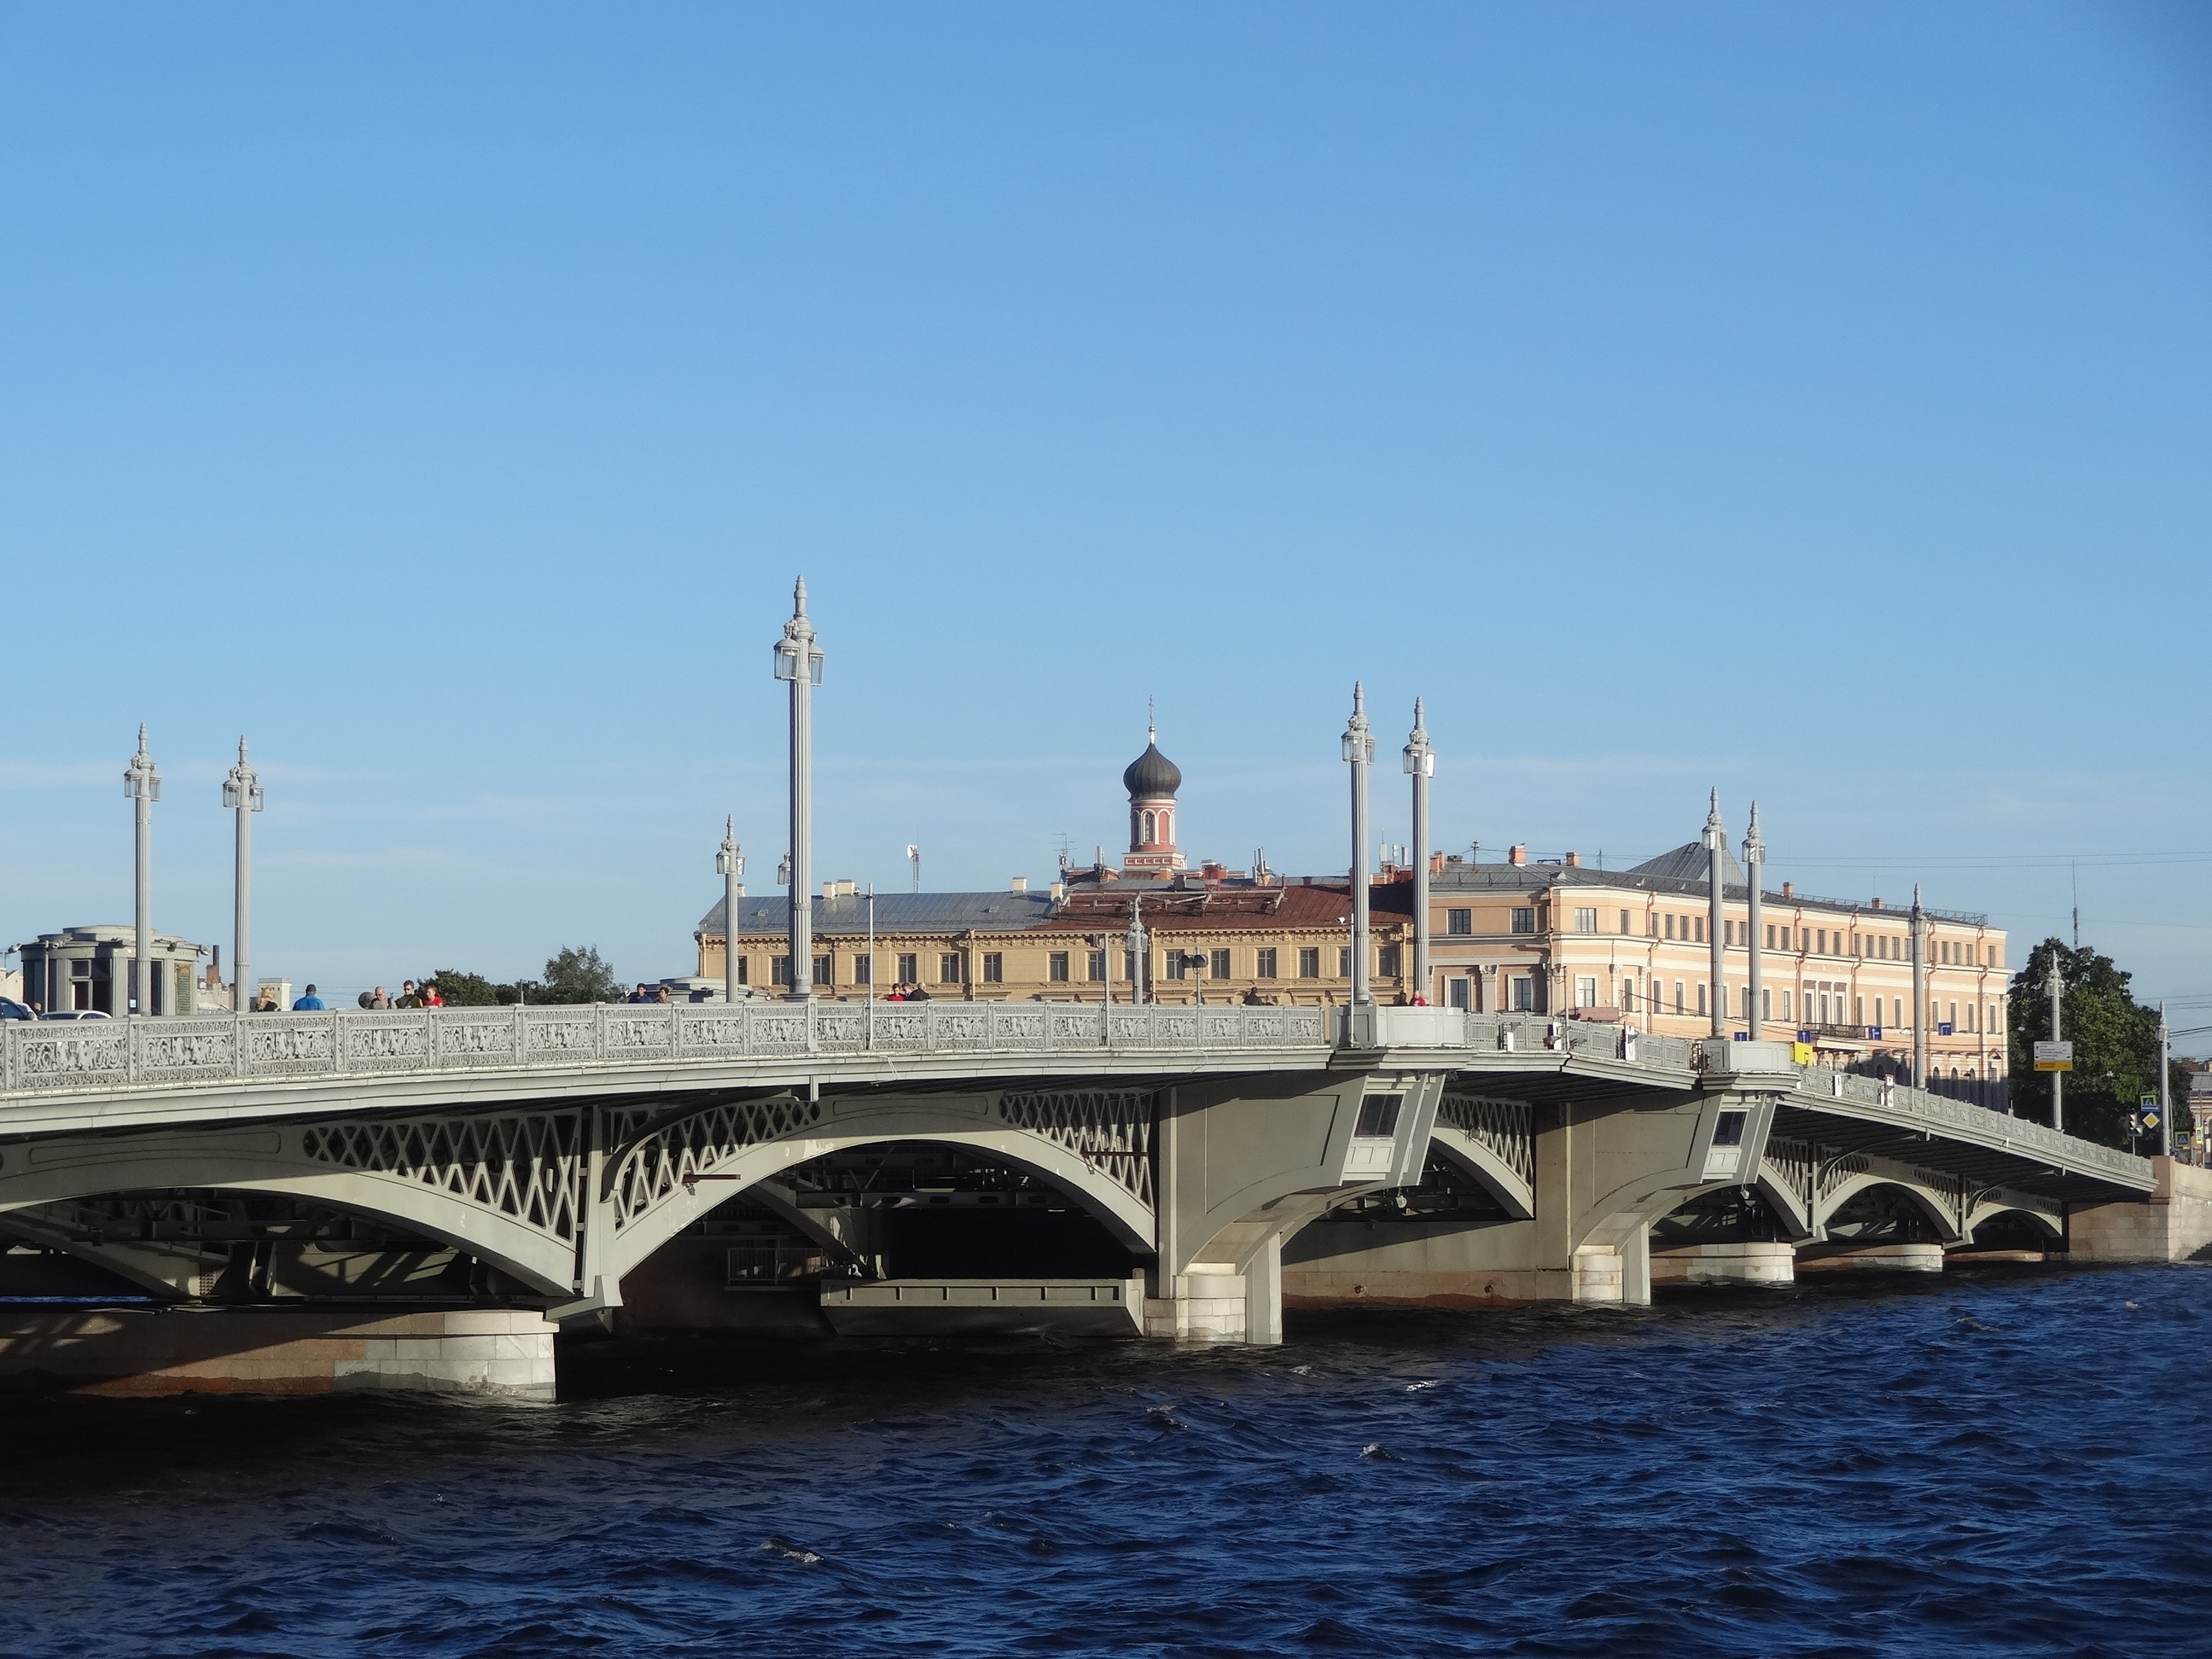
{"x":2175,"y":1224}
{"x":263,"y":1350}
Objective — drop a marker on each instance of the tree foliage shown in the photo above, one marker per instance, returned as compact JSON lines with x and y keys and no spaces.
{"x":2115,"y":1042}
{"x":578,"y":975}
{"x":462,"y":990}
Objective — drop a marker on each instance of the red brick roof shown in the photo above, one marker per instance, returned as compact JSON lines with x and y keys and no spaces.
{"x":1228,"y":909}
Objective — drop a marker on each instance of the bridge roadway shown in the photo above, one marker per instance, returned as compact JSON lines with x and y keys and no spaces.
{"x":564,"y":1146}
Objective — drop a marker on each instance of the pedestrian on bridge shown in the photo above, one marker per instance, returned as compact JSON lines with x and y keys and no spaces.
{"x":310,"y":1002}
{"x":408,"y":996}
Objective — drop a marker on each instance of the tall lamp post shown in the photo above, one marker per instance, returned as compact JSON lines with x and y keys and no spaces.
{"x":1755,"y":859}
{"x":1919,"y":991}
{"x":1717,"y":912}
{"x":799,"y":662}
{"x":1359,"y":755}
{"x":1421,"y":765}
{"x":730,"y":864}
{"x":1140,"y":953}
{"x":2057,"y":986}
{"x":142,"y":785}
{"x":242,"y":794}
{"x":2165,"y":1066}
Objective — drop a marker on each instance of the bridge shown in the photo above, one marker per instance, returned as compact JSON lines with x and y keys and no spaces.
{"x":474,"y":1177}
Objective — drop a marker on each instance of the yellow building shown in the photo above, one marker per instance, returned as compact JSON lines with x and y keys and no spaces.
{"x":1633,"y":945}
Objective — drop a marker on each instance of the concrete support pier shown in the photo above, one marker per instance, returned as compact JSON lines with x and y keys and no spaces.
{"x":2174,"y":1226}
{"x":497,"y":1351}
{"x":1746,"y":1262}
{"x":1916,"y":1258}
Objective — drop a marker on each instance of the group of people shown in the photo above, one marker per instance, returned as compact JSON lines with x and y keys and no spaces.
{"x":906,"y":994}
{"x":411,"y":995}
{"x":650,"y":993}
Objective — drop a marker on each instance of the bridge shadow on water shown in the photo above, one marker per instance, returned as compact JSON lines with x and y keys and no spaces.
{"x":1991,"y":1460}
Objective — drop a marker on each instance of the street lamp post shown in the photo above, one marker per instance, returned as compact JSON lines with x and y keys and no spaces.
{"x":798,"y":662}
{"x":1140,"y":952}
{"x":1421,"y":764}
{"x":1755,"y":859}
{"x":730,"y":864}
{"x":144,"y":786}
{"x":1919,"y":991}
{"x":2057,"y":986}
{"x":1359,"y":755}
{"x":1717,"y":912}
{"x":2165,"y":1105}
{"x":242,"y":793}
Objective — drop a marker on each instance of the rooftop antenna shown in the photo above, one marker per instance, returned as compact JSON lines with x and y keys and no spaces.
{"x":2073,"y":874}
{"x":913,"y":857}
{"x":1151,"y":722}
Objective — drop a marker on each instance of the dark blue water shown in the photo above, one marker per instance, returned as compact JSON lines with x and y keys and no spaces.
{"x":2012,"y":1464}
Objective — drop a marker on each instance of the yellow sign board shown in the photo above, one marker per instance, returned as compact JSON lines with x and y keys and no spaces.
{"x":1801,"y":1054}
{"x":2054,"y":1056}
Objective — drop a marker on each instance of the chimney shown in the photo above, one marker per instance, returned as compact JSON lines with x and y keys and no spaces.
{"x":1788,"y":891}
{"x":1021,"y":884}
{"x":1059,"y":891}
{"x":1877,"y":904}
{"x":1435,"y":864}
{"x":1517,"y":853}
{"x":1574,"y":860}
{"x":828,"y":890}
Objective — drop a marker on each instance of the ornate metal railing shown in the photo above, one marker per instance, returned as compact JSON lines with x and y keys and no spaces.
{"x":43,"y":1057}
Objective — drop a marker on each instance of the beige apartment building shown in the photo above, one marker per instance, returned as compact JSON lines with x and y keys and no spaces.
{"x":1633,"y":945}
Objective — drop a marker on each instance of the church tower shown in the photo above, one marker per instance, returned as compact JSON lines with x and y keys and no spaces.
{"x":1152,"y":781}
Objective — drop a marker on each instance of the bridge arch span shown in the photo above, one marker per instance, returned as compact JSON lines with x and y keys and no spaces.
{"x":1938,"y":1208}
{"x":1497,"y":1177}
{"x":519,"y":1245}
{"x":1095,"y":1148}
{"x":2037,"y":1218}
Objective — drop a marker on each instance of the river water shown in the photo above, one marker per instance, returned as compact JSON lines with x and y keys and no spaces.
{"x":1991,"y":1463}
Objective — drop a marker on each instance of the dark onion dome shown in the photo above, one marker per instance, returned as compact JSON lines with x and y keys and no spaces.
{"x":1151,"y":776}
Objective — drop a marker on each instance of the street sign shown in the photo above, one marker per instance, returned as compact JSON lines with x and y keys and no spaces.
{"x":2150,"y":1117}
{"x":1943,"y":1029}
{"x":2054,"y":1056}
{"x":1874,"y":1034}
{"x":1801,"y":1054}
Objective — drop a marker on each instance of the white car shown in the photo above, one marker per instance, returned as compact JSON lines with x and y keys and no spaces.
{"x":74,"y":1013}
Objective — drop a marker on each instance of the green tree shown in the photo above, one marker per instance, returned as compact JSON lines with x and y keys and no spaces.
{"x":578,"y":975}
{"x":462,"y":990}
{"x":2115,"y":1042}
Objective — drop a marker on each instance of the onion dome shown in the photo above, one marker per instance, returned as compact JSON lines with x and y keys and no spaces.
{"x":1151,"y":776}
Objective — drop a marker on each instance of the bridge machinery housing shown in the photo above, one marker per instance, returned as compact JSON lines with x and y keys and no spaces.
{"x":420,"y":1199}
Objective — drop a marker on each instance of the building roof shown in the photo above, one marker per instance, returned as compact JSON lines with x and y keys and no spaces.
{"x":1530,"y":878}
{"x":895,"y":913}
{"x":1688,"y":863}
{"x":1302,"y":906}
{"x":1151,"y":775}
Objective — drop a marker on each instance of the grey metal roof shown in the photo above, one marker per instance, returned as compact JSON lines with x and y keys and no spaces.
{"x":1534,"y":878}
{"x":895,"y":913}
{"x":1688,"y":863}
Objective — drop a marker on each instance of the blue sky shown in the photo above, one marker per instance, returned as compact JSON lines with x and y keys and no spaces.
{"x":1811,"y":400}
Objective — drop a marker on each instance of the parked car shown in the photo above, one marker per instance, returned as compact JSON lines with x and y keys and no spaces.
{"x":11,"y":1008}
{"x":74,"y":1013}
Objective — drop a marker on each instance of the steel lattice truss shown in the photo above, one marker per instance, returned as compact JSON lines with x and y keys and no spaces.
{"x":1111,"y":1130}
{"x":528,"y":1165}
{"x":647,"y":1171}
{"x":1504,"y":1128}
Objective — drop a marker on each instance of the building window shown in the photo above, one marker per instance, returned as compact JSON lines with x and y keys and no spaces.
{"x":1388,"y":967}
{"x":1456,"y":992}
{"x":1343,"y":962}
{"x":1586,"y":921}
{"x":1524,"y":919}
{"x":1628,"y":996}
{"x":1859,"y":1011}
{"x":1670,"y":926}
{"x":1264,"y":964}
{"x":1679,"y":1007}
{"x":1585,"y":991}
{"x":1787,"y":1017}
{"x":1310,"y":962}
{"x":779,"y":970}
{"x":948,"y":968}
{"x":864,"y":971}
{"x":1459,"y":923}
{"x":744,"y":970}
{"x":821,"y":971}
{"x":995,"y":968}
{"x":1152,"y":829}
{"x":909,"y":969}
{"x":1765,"y":1003}
{"x":1701,"y":997}
{"x":1057,"y":966}
{"x":1524,"y":993}
{"x":1178,"y":964}
{"x":1094,"y":966}
{"x":1219,"y":967}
